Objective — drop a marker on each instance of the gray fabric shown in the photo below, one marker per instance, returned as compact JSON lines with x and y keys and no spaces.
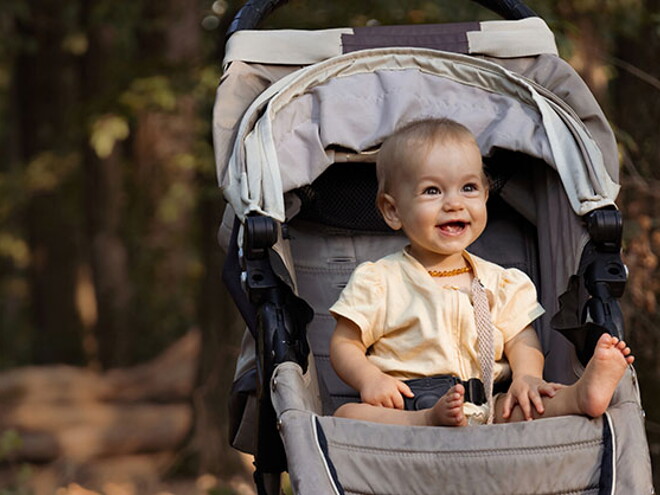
{"x":324,"y":260}
{"x":275,"y":142}
{"x":560,"y":78}
{"x":549,"y":456}
{"x":354,"y":113}
{"x":446,"y":37}
{"x":633,"y":460}
{"x":242,"y":82}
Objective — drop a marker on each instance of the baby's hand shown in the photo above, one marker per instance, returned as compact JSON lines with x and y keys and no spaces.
{"x":526,"y":391}
{"x":384,"y":390}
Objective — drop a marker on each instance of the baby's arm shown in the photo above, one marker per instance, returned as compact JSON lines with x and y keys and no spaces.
{"x":527,"y":386}
{"x":349,"y":360}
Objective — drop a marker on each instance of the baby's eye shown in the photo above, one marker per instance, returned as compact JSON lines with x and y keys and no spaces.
{"x":471,"y":187}
{"x":431,"y":190}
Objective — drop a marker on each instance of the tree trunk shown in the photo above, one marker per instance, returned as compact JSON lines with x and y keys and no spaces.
{"x":47,"y":129}
{"x":637,"y":106}
{"x":108,"y":330}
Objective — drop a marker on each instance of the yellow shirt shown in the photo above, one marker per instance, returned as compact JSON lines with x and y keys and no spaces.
{"x":413,"y":327}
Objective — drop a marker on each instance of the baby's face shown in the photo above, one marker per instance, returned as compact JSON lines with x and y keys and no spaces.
{"x":440,"y":202}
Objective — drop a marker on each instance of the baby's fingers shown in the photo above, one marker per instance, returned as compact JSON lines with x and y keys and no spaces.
{"x":538,"y":404}
{"x":397,"y":401}
{"x":549,"y":389}
{"x":507,"y":406}
{"x":387,"y":401}
{"x":405,"y":390}
{"x":526,"y":408}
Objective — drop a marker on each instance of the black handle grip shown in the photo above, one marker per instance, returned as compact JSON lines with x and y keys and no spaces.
{"x":252,"y":14}
{"x":255,"y":11}
{"x":511,"y":10}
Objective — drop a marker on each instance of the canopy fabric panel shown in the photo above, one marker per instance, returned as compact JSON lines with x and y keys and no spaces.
{"x":286,"y":136}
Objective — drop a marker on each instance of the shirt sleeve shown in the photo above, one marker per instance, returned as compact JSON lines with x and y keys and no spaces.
{"x":363,"y":302}
{"x":515,"y":303}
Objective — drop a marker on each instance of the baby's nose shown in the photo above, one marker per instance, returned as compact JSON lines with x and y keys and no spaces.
{"x":453,"y":202}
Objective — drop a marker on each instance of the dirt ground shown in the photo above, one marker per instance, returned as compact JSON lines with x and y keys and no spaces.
{"x":148,"y":474}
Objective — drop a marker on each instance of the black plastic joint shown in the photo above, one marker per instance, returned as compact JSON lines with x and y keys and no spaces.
{"x":609,"y":271}
{"x":260,"y":234}
{"x":605,"y":228}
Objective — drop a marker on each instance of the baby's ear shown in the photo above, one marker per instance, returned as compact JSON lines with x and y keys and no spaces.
{"x":387,"y":206}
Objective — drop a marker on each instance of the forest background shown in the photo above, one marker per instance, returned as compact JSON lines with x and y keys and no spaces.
{"x":109,"y":205}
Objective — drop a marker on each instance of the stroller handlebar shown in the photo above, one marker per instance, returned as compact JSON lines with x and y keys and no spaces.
{"x":511,"y":10}
{"x":255,"y":11}
{"x":252,"y":14}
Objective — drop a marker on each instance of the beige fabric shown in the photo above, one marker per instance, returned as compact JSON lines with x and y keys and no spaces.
{"x":479,"y":415}
{"x":503,"y":39}
{"x":511,"y":39}
{"x":485,"y":345}
{"x":238,"y":87}
{"x":415,"y":328}
{"x":285,"y":46}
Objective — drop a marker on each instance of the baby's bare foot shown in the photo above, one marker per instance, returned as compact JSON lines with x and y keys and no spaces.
{"x":602,"y":375}
{"x":448,"y":410}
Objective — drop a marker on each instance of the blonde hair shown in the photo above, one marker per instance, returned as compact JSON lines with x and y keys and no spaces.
{"x":411,"y":142}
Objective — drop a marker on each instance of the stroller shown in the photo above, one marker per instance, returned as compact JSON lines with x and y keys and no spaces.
{"x":298,"y":121}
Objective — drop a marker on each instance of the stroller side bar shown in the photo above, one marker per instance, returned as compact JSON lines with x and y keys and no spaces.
{"x":280,"y":336}
{"x":605,"y":276}
{"x":590,"y":307}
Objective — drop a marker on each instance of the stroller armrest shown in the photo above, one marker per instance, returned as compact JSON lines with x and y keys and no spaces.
{"x":293,"y":390}
{"x":628,"y":390}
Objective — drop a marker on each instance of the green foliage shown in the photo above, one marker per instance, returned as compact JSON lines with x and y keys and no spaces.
{"x":153,"y":92}
{"x":106,"y":131}
{"x":10,"y":442}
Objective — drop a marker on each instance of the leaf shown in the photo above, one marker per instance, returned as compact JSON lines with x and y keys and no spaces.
{"x":10,"y":441}
{"x":106,"y":131}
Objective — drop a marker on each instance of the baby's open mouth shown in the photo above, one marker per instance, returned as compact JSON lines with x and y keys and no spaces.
{"x":455,"y":227}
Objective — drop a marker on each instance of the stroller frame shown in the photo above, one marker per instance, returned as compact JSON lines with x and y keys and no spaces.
{"x":277,"y":317}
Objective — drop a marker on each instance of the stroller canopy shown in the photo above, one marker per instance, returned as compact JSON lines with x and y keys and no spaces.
{"x":289,"y":134}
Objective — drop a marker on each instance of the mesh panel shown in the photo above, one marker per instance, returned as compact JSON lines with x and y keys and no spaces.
{"x":344,"y":195}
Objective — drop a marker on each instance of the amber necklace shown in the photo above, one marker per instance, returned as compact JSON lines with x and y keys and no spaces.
{"x":450,"y":273}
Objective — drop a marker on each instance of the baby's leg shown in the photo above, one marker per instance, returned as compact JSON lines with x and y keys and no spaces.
{"x":592,"y":393}
{"x":447,"y":411}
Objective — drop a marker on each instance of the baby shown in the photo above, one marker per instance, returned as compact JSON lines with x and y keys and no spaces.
{"x":410,"y":314}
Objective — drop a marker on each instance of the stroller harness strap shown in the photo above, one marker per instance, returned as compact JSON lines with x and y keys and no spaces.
{"x":485,"y":342}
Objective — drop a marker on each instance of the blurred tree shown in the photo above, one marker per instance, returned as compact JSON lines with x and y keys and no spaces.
{"x":47,"y":133}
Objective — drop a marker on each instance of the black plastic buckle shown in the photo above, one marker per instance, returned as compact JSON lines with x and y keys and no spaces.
{"x":475,"y":391}
{"x":429,"y":389}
